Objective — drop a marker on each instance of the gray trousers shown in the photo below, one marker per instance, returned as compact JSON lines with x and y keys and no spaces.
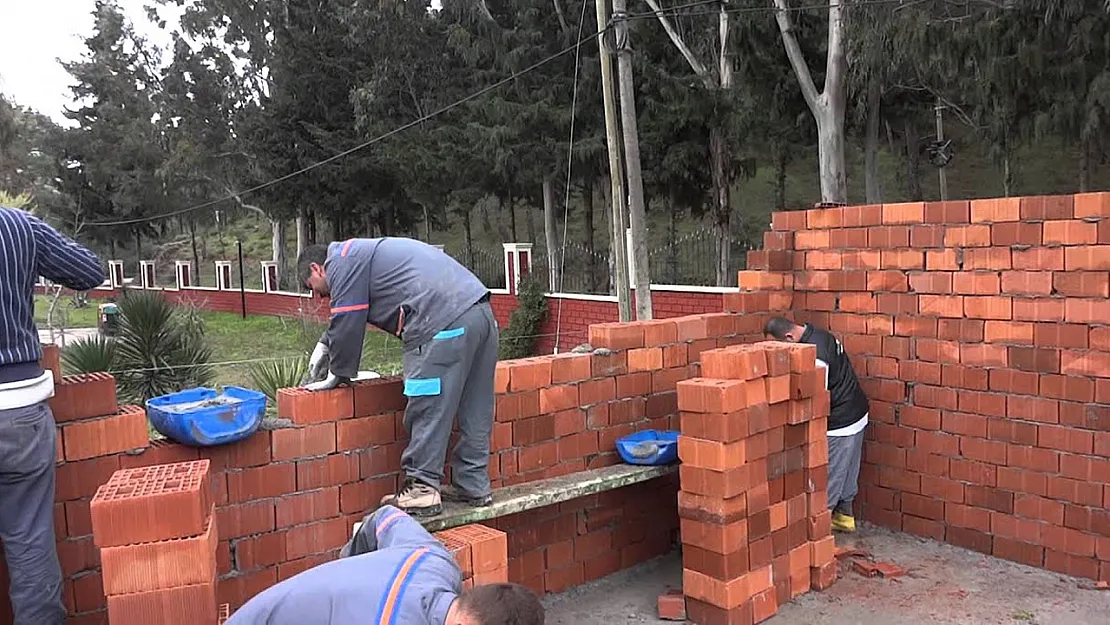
{"x":452,"y":375}
{"x":27,"y":454}
{"x":845,"y":453}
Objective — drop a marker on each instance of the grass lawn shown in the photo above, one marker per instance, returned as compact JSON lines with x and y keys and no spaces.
{"x":234,"y":339}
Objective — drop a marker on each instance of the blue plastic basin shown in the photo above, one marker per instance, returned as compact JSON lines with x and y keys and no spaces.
{"x":662,"y":447}
{"x":204,"y":417}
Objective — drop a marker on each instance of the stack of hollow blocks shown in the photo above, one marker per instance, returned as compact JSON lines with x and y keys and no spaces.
{"x":481,"y":552}
{"x":756,"y":529}
{"x":156,"y":530}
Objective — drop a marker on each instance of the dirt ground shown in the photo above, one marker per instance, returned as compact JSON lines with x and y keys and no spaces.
{"x":943,"y":585}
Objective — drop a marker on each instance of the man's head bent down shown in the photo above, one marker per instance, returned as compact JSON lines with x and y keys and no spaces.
{"x":783,"y":329}
{"x":497,"y":604}
{"x":310,"y":269}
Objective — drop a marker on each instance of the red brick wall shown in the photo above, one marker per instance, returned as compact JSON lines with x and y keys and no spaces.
{"x":980,"y":331}
{"x":571,"y":329}
{"x":286,"y":499}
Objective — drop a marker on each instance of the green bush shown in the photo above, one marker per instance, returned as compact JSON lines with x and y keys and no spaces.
{"x":89,"y":355}
{"x":272,"y":375}
{"x":518,"y":340}
{"x":157,"y":350}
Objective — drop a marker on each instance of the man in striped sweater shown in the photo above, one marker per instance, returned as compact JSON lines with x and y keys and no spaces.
{"x":28,"y":249}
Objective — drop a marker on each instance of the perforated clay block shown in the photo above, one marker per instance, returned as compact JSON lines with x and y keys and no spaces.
{"x":184,"y":605}
{"x":151,"y":504}
{"x":164,"y":564}
{"x":489,"y":548}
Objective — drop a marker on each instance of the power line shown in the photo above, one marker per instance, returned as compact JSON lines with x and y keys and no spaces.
{"x":679,"y":10}
{"x":348,"y":152}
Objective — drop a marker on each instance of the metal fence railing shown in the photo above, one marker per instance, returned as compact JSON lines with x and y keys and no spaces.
{"x":692,"y":259}
{"x":582,"y":270}
{"x":488,"y":266}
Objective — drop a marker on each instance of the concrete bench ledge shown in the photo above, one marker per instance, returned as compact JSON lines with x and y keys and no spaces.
{"x":540,"y":493}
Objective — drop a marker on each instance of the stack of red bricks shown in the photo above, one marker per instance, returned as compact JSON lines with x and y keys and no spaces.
{"x":481,"y":552}
{"x":156,"y":530}
{"x":755,"y":522}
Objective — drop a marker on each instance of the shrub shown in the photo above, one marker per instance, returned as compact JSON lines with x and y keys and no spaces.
{"x":89,"y":355}
{"x":272,"y":375}
{"x":518,"y":340}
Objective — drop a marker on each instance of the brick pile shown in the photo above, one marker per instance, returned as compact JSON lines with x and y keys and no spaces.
{"x":481,"y":552}
{"x":980,"y":332}
{"x":156,"y":531}
{"x":755,"y":524}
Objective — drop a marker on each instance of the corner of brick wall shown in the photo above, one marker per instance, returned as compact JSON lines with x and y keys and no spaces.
{"x":979,"y":330}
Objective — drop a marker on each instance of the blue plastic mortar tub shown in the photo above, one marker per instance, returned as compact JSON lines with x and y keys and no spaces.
{"x":650,"y":447}
{"x":205,"y":417}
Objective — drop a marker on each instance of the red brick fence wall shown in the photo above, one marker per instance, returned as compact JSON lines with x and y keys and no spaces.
{"x":982,"y":332}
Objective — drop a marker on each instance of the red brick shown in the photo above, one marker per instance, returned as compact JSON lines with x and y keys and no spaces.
{"x":1032,"y":458}
{"x":1038,"y":309}
{"x":977,"y":235}
{"x":306,"y":442}
{"x":811,"y":239}
{"x":993,"y":258}
{"x":566,"y":368}
{"x":106,"y":436}
{"x":305,"y":540}
{"x":902,"y":259}
{"x":1060,"y":335}
{"x":530,"y":374}
{"x":157,"y":565}
{"x":616,"y":336}
{"x":358,"y":433}
{"x":1017,"y":551}
{"x":672,"y":606}
{"x":152,"y":503}
{"x":904,"y":213}
{"x":375,"y":397}
{"x":969,"y":539}
{"x":995,"y":210}
{"x":84,"y":396}
{"x":941,"y":260}
{"x":1016,"y":233}
{"x":272,"y":480}
{"x":1087,"y":258}
{"x":305,"y":407}
{"x":726,"y":484}
{"x":742,"y":362}
{"x":1011,"y":381}
{"x":296,"y":509}
{"x":309,"y":474}
{"x":238,"y":520}
{"x":488,"y":546}
{"x":183,"y":605}
{"x":931,"y":282}
{"x":1047,"y":207}
{"x":1092,"y":205}
{"x":1070,"y":232}
{"x":942,"y":306}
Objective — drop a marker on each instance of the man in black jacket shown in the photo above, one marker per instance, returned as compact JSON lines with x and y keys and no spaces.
{"x":848,"y":408}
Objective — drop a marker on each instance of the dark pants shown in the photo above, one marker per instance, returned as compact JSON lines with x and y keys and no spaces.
{"x":452,"y":375}
{"x":27,"y":454}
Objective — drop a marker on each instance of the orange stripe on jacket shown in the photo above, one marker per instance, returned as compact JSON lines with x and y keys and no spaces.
{"x":398,"y":582}
{"x":346,"y":247}
{"x":343,"y":309}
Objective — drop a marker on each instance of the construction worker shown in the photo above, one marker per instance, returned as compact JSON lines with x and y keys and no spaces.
{"x":848,"y":412}
{"x":441,"y":313}
{"x":29,"y":248}
{"x":393,"y":572}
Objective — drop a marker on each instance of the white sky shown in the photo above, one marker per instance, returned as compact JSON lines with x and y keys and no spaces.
{"x":36,"y":33}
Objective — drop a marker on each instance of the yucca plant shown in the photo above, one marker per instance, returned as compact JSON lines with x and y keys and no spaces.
{"x":157,"y":350}
{"x":89,"y":355}
{"x":271,"y":375}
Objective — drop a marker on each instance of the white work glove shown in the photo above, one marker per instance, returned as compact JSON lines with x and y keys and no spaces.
{"x":318,"y":362}
{"x":327,"y":383}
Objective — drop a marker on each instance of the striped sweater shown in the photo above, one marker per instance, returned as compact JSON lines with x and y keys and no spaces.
{"x":29,"y":248}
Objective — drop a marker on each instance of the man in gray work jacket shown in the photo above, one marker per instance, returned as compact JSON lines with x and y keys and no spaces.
{"x":393,"y":572}
{"x":30,"y":248}
{"x":441,"y":313}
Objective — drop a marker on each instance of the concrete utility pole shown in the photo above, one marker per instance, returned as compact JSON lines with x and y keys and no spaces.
{"x":637,"y":216}
{"x":940,"y":141}
{"x":616,"y":173}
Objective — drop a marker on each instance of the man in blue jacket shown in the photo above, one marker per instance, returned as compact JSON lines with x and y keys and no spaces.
{"x":29,"y":248}
{"x":441,"y":313}
{"x":393,"y":572}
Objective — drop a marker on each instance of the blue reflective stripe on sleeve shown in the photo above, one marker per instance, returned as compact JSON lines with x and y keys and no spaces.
{"x":422,"y":387}
{"x":450,"y":334}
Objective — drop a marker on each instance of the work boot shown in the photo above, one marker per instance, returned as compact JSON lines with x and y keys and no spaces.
{"x":451,"y":493}
{"x":416,"y":499}
{"x":843,"y":522}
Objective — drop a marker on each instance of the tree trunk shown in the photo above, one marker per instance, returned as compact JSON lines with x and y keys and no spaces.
{"x":550,"y":236}
{"x":196,"y":251}
{"x":277,"y":242}
{"x":530,"y":223}
{"x":718,"y":148}
{"x":611,"y":285}
{"x":1007,"y":175}
{"x":302,"y":231}
{"x":512,"y":219}
{"x":588,"y":241}
{"x":1084,"y":165}
{"x":830,"y":155}
{"x":782,"y":159}
{"x":313,"y":232}
{"x":913,"y":165}
{"x":673,"y":276}
{"x":427,"y":223}
{"x":468,"y":238}
{"x":871,"y":142}
{"x":138,"y":245}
